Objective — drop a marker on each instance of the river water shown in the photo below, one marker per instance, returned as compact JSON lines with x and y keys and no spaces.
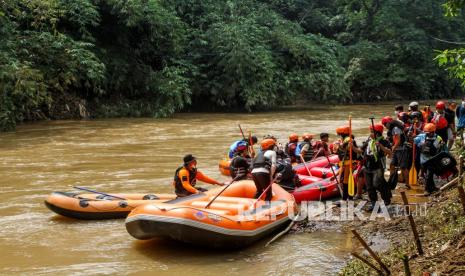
{"x":141,"y":155}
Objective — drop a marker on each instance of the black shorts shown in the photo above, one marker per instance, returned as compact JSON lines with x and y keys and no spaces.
{"x":401,"y":158}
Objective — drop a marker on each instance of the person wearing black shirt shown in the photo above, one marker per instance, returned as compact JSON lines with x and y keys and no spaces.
{"x":449,"y":114}
{"x":240,"y":166}
{"x":375,"y":149}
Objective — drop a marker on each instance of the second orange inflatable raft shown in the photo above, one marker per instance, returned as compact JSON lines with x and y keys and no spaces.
{"x":231,"y":221}
{"x":93,"y":206}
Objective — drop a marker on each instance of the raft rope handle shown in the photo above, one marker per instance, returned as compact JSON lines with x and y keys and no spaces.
{"x":202,"y":210}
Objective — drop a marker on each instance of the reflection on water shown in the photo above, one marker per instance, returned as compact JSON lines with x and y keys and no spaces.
{"x":141,"y":155}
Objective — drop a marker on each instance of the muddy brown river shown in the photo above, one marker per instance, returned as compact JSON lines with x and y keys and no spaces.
{"x":141,"y":155}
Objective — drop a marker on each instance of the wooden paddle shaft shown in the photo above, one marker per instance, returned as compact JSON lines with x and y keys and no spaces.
{"x":412,"y":223}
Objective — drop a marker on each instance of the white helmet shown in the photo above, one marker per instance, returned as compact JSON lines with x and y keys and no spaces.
{"x":413,"y":104}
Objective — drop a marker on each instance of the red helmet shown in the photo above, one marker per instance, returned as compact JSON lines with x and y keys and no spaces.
{"x":342,"y":130}
{"x":267,"y":143}
{"x":440,"y":105}
{"x":378,"y":128}
{"x":294,"y":137}
{"x":429,"y":127}
{"x":241,"y":147}
{"x":386,"y":120}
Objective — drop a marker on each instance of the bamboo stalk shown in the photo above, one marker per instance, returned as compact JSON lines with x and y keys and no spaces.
{"x":406,"y":265}
{"x":450,"y":183}
{"x":367,"y":263}
{"x":412,"y":224}
{"x":372,"y":253}
{"x":461,"y":243}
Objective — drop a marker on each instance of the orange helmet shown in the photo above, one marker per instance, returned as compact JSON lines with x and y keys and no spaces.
{"x":342,"y":130}
{"x":267,"y":143}
{"x":307,"y":136}
{"x":429,"y":127}
{"x":378,"y":128}
{"x":294,"y":137}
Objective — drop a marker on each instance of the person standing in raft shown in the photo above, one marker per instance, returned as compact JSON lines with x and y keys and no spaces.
{"x":186,"y":177}
{"x":304,"y":149}
{"x":341,"y":148}
{"x":239,"y":164}
{"x":375,"y":149}
{"x":264,"y":168}
{"x":430,"y":144}
{"x":321,"y":146}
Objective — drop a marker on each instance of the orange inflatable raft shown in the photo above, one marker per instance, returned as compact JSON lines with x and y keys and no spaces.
{"x":233,"y":220}
{"x":223,"y":165}
{"x":93,"y":206}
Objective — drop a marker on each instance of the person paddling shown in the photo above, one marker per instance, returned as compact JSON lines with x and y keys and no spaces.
{"x":375,"y":149}
{"x":264,"y":168}
{"x":186,"y":177}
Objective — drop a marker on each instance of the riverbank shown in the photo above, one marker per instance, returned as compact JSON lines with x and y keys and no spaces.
{"x":440,"y":221}
{"x":441,"y":230}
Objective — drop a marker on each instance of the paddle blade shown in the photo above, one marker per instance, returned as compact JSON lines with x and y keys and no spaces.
{"x":351,"y":185}
{"x":393,"y":179}
{"x":413,"y":176}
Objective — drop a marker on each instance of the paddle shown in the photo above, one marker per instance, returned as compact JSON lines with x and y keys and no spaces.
{"x":95,"y":192}
{"x":351,"y":183}
{"x":305,"y":165}
{"x":412,"y":175}
{"x":224,"y":189}
{"x":335,"y":176}
{"x":266,"y":190}
{"x":243,"y":137}
{"x":251,"y":150}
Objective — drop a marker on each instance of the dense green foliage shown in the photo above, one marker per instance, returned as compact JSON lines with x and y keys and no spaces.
{"x":71,"y":59}
{"x":454,"y":59}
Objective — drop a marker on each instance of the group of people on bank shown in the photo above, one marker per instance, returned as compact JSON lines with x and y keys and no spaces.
{"x":424,"y":131}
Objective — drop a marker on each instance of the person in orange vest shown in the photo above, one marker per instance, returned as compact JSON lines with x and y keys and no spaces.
{"x":186,"y":177}
{"x":427,"y":113}
{"x":440,"y":121}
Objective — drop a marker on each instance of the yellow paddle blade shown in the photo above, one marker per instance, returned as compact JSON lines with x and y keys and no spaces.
{"x":351,"y":183}
{"x":412,"y":176}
